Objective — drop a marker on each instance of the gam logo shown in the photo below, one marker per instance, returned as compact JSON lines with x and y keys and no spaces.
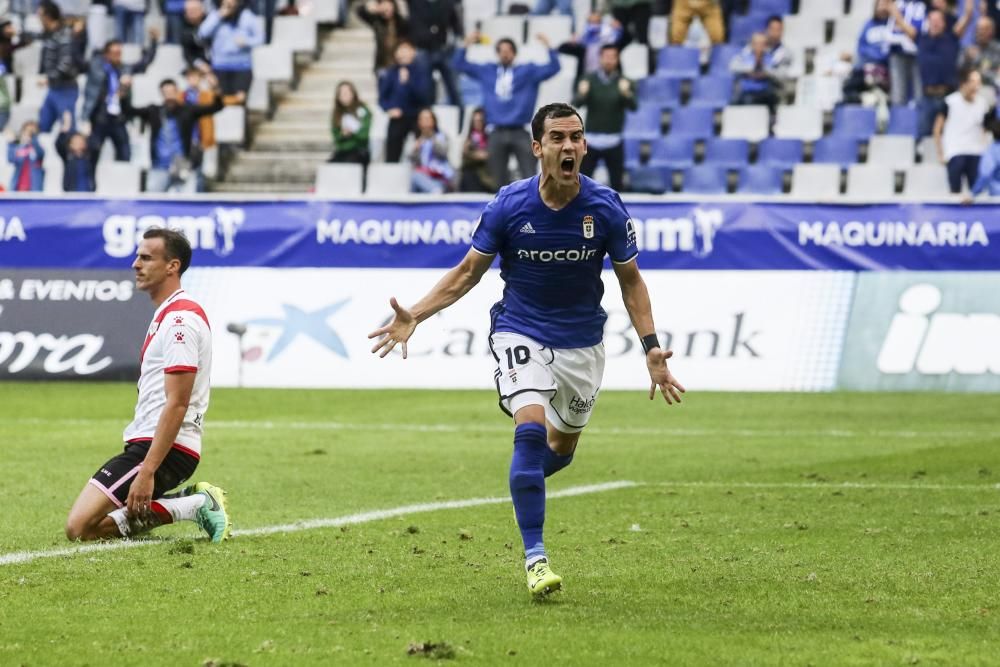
{"x":217,"y":232}
{"x":694,"y":234}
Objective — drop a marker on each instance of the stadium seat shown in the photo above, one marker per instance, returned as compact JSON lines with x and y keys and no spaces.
{"x":847,"y":30}
{"x":799,"y":122}
{"x":633,"y":152}
{"x":816,"y":181}
{"x":230,"y":125}
{"x":647,"y":179}
{"x":826,"y":9}
{"x":635,"y":61}
{"x":672,"y":153}
{"x":805,"y":31}
{"x":660,"y":91}
{"x":297,"y":33}
{"x":53,"y":180}
{"x":388,"y":179}
{"x":928,"y":151}
{"x":259,"y":97}
{"x":322,"y":11}
{"x":894,"y":151}
{"x":722,"y":55}
{"x":760,"y":179}
{"x":781,"y":153}
{"x":819,"y":91}
{"x":447,"y":118}
{"x":780,"y":7}
{"x":169,"y":61}
{"x":842,"y":151}
{"x":496,"y":28}
{"x":480,"y":54}
{"x":927,"y":181}
{"x":557,"y":28}
{"x":855,"y":121}
{"x":21,"y":114}
{"x":705,"y":179}
{"x":659,"y":29}
{"x":903,"y":120}
{"x":643,"y":123}
{"x":118,"y":178}
{"x":27,"y":60}
{"x":131,"y":53}
{"x":713,"y":92}
{"x":678,"y":62}
{"x":727,"y":153}
{"x":340,"y":180}
{"x":557,"y":89}
{"x":32,"y":90}
{"x":750,"y":122}
{"x":742,"y":26}
{"x":694,"y":122}
{"x":870,"y":182}
{"x":273,"y":63}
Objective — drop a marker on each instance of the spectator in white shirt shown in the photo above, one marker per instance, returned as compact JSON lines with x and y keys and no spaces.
{"x":959,"y":130}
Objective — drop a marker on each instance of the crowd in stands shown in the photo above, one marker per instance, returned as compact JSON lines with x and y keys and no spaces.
{"x":84,"y":85}
{"x":851,"y":78}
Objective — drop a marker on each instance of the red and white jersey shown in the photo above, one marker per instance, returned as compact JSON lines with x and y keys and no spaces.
{"x":179,"y":340}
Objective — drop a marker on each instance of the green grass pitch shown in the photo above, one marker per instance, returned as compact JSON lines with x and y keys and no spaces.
{"x":825,"y":529}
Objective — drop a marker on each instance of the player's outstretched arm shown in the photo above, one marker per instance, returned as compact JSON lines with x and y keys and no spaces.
{"x":636,"y":298}
{"x":453,"y":286}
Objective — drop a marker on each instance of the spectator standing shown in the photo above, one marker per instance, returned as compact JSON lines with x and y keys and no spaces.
{"x":351,"y":125}
{"x":984,"y":53}
{"x":989,"y":166}
{"x":607,"y":95}
{"x":684,"y":11}
{"x":959,"y":130}
{"x":587,"y":46}
{"x":390,"y":28}
{"x":475,"y":157}
{"x":871,"y":68}
{"x":195,"y":54}
{"x":62,"y":55}
{"x":432,"y":173}
{"x":26,"y":155}
{"x":907,"y":22}
{"x":174,"y":166}
{"x":79,"y":161}
{"x":130,"y":19}
{"x":202,"y":89}
{"x":937,"y":58}
{"x":633,"y":15}
{"x":233,"y":30}
{"x":432,"y":26}
{"x":509,"y":92}
{"x":173,"y":12}
{"x":402,"y":93}
{"x":757,"y":80}
{"x":545,"y":7}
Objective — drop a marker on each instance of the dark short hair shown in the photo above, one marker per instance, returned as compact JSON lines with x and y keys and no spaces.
{"x":613,"y":47}
{"x":775,"y":17}
{"x":964,"y":74}
{"x":168,"y":82}
{"x":111,"y":42}
{"x":554,"y":110}
{"x":50,"y":10}
{"x":175,"y":245}
{"x":507,"y":40}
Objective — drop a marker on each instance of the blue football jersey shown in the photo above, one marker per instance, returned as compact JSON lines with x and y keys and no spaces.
{"x":551,"y":261}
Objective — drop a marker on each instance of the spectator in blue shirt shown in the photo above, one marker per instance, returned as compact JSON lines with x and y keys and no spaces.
{"x":402,"y":93}
{"x":78,"y":160}
{"x":173,"y":11}
{"x":758,"y":80}
{"x":61,"y":61}
{"x":871,"y":67}
{"x":26,"y":155}
{"x":509,"y":95}
{"x":989,"y":166}
{"x":904,"y":75}
{"x":233,"y":31}
{"x":938,"y":50}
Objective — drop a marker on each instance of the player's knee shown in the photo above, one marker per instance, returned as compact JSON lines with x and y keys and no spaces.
{"x":75,"y":531}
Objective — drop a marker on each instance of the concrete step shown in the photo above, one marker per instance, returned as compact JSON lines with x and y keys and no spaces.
{"x":283,"y":156}
{"x":292,"y":129}
{"x":261,"y":188}
{"x":274,"y":172}
{"x":295,"y":143}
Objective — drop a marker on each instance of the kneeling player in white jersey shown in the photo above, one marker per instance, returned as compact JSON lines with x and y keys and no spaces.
{"x":552,"y":233}
{"x":128,"y":494}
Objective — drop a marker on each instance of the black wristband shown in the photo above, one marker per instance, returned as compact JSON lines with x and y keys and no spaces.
{"x":650,"y":342}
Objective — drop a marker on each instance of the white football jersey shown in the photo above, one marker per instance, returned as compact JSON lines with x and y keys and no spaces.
{"x":179,"y":340}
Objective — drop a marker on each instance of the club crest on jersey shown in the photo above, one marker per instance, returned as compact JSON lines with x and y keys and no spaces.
{"x":588,"y":226}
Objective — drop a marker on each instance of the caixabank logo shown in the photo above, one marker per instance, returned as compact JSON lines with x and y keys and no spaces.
{"x":924,"y":331}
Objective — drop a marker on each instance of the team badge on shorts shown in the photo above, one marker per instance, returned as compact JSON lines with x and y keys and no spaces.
{"x":588,"y":226}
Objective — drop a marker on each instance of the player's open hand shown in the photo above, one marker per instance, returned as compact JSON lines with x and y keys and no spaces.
{"x":660,"y":376}
{"x":398,"y":330}
{"x":140,"y":495}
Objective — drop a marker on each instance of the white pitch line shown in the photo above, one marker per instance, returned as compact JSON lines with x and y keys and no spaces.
{"x":834,"y":486}
{"x":20,"y":557}
{"x":266,"y":425}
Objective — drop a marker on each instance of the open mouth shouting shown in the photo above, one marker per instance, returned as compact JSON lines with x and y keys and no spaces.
{"x":567,"y":166}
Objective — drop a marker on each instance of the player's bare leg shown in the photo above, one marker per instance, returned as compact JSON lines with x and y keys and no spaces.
{"x":91,"y":518}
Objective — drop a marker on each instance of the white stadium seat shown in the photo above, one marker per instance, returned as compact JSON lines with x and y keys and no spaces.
{"x":816,"y":181}
{"x":169,"y":61}
{"x":635,"y":61}
{"x":827,"y":9}
{"x":496,"y":28}
{"x":750,"y":122}
{"x":927,"y":180}
{"x":273,"y":63}
{"x":556,"y":28}
{"x":297,"y":33}
{"x":804,"y":30}
{"x":447,"y":117}
{"x":118,"y":178}
{"x":870,"y":181}
{"x":28,"y":59}
{"x":893,"y":150}
{"x":230,"y":125}
{"x":340,"y":180}
{"x":388,"y":180}
{"x":799,"y":122}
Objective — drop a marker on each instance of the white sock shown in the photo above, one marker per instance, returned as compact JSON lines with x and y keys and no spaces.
{"x":121,"y":520}
{"x":184,"y":508}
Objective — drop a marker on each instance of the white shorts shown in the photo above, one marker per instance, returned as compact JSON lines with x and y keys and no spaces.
{"x":569,"y":377}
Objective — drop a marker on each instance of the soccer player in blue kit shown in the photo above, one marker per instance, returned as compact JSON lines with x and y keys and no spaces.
{"x":552,"y":232}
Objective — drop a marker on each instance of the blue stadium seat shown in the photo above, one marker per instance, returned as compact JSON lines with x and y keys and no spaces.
{"x":722,"y":55}
{"x":660,"y":91}
{"x":648,"y":179}
{"x":713,"y":92}
{"x":727,"y":153}
{"x":761,"y":179}
{"x":672,"y":153}
{"x":837,"y":150}
{"x":678,"y":62}
{"x":705,"y":179}
{"x":781,"y":153}
{"x":694,"y":122}
{"x":742,"y":26}
{"x":643,"y":123}
{"x":633,"y":152}
{"x":855,"y":121}
{"x":780,"y":7}
{"x":902,"y":120}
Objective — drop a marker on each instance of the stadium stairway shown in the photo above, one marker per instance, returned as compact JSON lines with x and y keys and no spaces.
{"x":286,"y":148}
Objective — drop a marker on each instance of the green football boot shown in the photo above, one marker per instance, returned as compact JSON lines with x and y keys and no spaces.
{"x":212,"y":516}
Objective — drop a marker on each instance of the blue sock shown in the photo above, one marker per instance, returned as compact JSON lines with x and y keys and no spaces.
{"x":555,"y":462}
{"x":527,"y":486}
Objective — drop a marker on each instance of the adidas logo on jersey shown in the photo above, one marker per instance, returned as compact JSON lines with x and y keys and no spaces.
{"x":527,"y":229}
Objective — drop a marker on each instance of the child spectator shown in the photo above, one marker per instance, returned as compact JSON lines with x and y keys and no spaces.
{"x":402,"y":91}
{"x":78,"y":162}
{"x":26,"y":155}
